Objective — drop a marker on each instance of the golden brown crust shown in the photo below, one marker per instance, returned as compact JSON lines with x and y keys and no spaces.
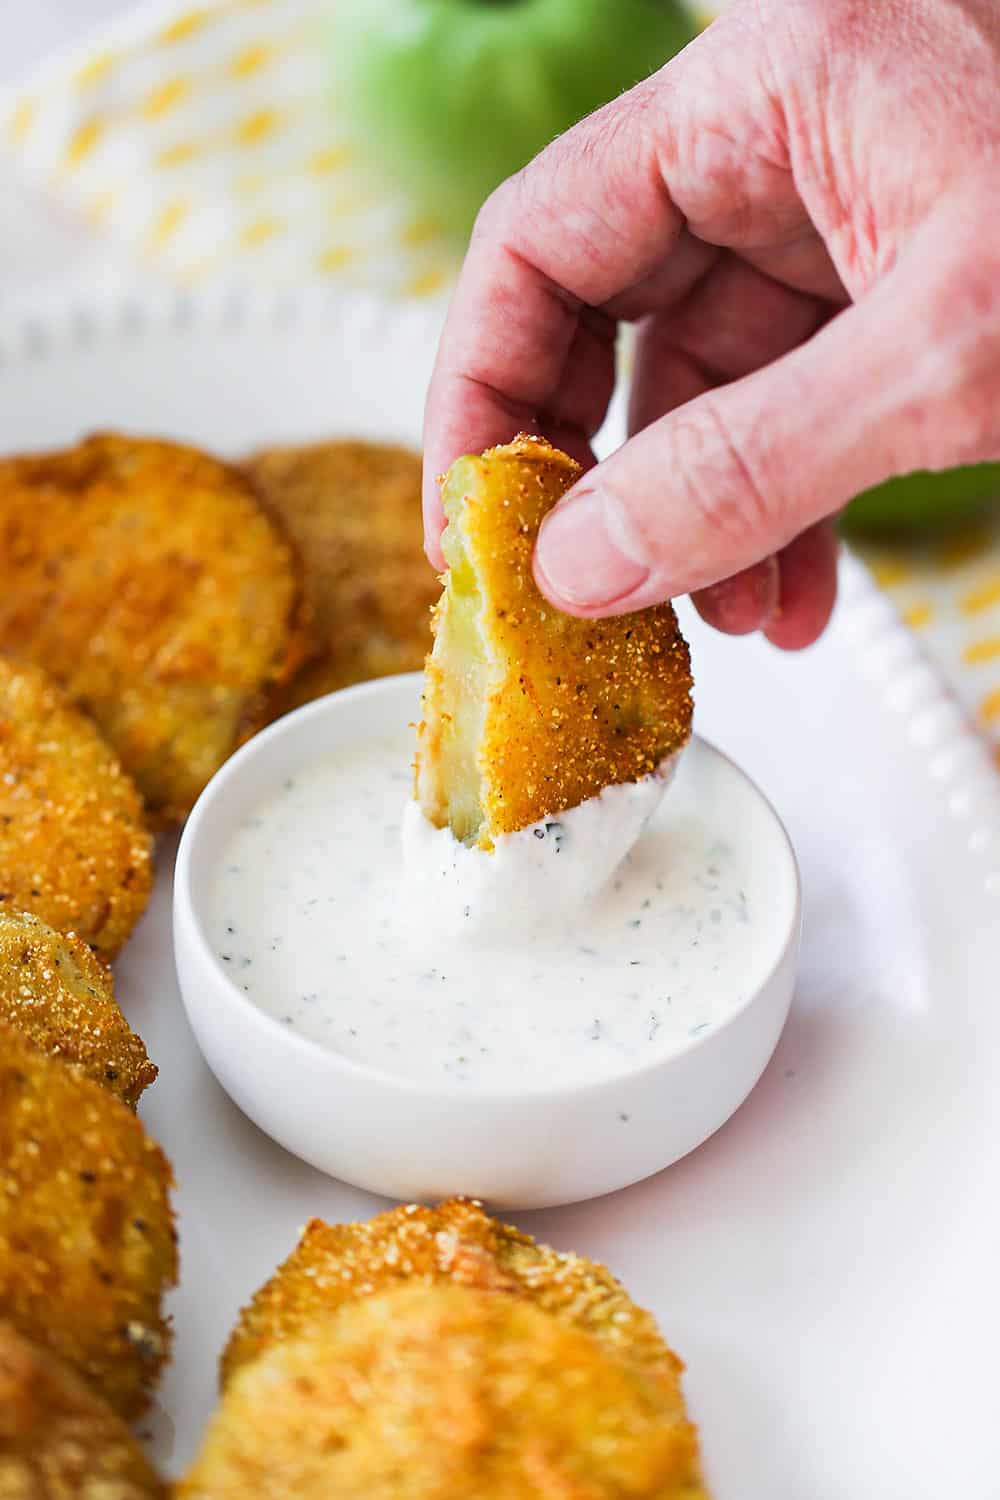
{"x":56,"y":993}
{"x":60,"y":1441}
{"x":87,"y":1244}
{"x":567,"y":706}
{"x":352,"y":509}
{"x":435,"y":1392}
{"x":147,"y":580}
{"x":74,"y":846}
{"x":455,"y":1242}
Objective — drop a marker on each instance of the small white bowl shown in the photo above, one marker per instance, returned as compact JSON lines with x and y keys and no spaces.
{"x":417,"y":1139}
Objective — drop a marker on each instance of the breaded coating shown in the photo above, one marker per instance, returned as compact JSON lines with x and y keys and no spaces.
{"x":441,"y":1392}
{"x":147,"y":580}
{"x":87,"y":1243}
{"x":527,"y":711}
{"x":74,"y":846}
{"x":353,"y":511}
{"x":456,"y":1242}
{"x":60,"y":1441}
{"x":56,"y":993}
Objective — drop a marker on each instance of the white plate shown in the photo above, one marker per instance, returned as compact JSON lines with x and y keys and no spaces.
{"x":827,"y":1263}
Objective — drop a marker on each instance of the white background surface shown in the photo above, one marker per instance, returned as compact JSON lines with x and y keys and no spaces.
{"x":827,"y":1263}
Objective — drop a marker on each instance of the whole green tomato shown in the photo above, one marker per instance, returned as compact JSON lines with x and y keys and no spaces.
{"x":453,"y":96}
{"x":925,"y":501}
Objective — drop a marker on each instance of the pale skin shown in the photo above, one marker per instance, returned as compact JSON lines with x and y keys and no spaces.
{"x":801,"y":212}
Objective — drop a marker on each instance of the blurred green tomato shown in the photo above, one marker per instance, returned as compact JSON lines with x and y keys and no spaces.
{"x":925,"y":501}
{"x":453,"y":96}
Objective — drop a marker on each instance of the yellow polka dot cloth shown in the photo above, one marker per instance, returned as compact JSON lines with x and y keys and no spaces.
{"x":947,"y":589}
{"x":205,"y":138}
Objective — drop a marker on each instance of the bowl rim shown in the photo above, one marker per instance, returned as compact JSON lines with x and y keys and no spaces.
{"x":187,"y":917}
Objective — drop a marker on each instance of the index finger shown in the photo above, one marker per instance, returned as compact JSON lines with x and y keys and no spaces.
{"x":611,"y":215}
{"x":587,"y":219}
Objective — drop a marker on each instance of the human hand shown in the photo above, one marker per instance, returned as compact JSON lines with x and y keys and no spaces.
{"x":800,"y":211}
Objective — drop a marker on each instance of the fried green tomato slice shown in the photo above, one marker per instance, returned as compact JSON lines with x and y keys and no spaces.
{"x":58,"y":1439}
{"x":435,"y":1392}
{"x":457,"y":1242}
{"x":56,"y":993}
{"x":352,"y":509}
{"x":526,"y":710}
{"x":87,"y":1242}
{"x":74,"y":846}
{"x":148,"y":581}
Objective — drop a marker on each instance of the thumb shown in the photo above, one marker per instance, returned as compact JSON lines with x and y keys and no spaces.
{"x":909,"y":378}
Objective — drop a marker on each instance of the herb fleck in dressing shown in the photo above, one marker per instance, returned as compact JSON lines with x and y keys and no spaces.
{"x":305,"y":915}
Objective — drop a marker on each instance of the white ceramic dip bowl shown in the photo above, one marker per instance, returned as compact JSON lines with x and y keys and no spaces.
{"x":526,"y":1142}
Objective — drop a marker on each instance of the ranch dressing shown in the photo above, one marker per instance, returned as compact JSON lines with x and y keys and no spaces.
{"x":539,"y":881}
{"x":313,"y":918}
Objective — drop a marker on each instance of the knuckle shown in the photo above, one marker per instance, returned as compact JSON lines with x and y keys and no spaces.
{"x":976,"y":426}
{"x":962,"y":400}
{"x":971,"y":419}
{"x":968,"y":288}
{"x":724,"y":482}
{"x":497,"y":212}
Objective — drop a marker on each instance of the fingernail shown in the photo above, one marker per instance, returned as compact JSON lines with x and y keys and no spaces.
{"x":580,"y":557}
